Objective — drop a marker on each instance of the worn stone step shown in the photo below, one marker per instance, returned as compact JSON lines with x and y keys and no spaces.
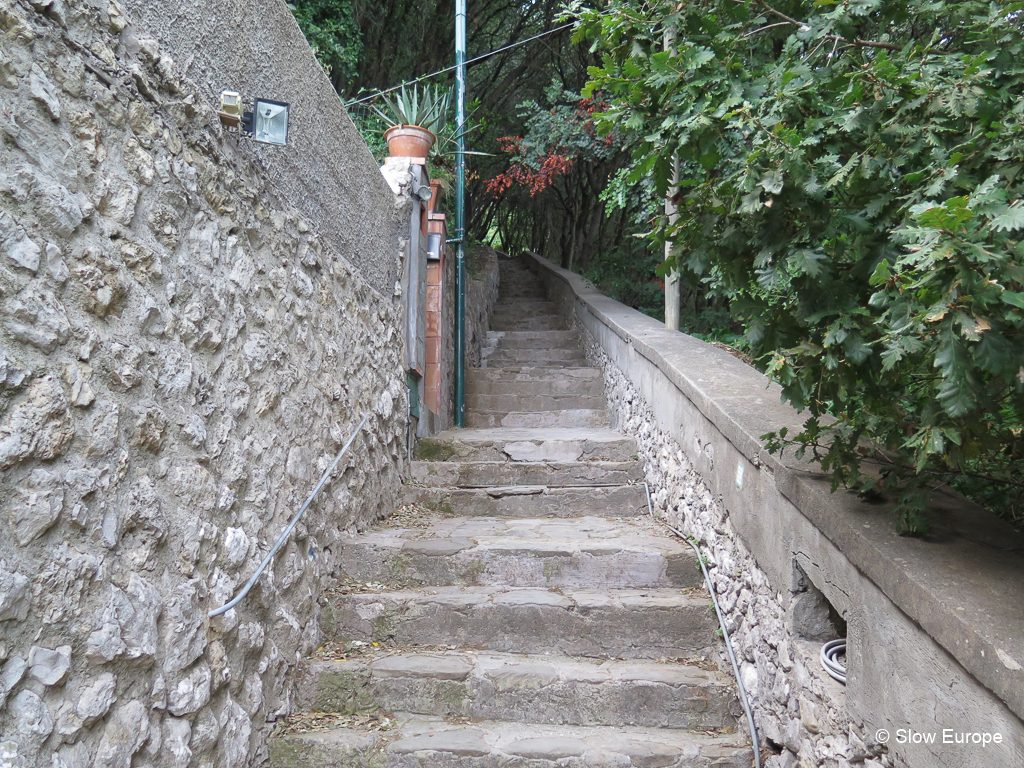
{"x":586,"y":552}
{"x":569,"y":417}
{"x":526,"y":444}
{"x":541,"y":358}
{"x":508,"y":300}
{"x":534,"y":403}
{"x":499,"y":342}
{"x":518,"y":308}
{"x":554,"y":474}
{"x":531,"y":501}
{"x":537,"y":339}
{"x":531,"y":380}
{"x":551,"y":690}
{"x":532,"y":322}
{"x":420,"y":741}
{"x":511,"y":295}
{"x":617,"y":623}
{"x":513,"y":306}
{"x":516,"y":311}
{"x":494,"y":346}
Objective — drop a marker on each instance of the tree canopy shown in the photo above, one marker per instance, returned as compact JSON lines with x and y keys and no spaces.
{"x":850,"y":179}
{"x":524,"y":75}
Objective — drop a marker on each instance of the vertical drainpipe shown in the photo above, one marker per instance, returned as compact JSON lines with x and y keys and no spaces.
{"x":460,"y":213}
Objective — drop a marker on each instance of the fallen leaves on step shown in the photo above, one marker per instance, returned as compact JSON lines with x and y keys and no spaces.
{"x":317,"y":722}
{"x":333,"y":651}
{"x":410,"y":516}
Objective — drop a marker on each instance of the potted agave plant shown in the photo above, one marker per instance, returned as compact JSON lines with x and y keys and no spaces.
{"x":415,"y":115}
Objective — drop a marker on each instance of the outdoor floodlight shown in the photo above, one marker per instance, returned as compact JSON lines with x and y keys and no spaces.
{"x":270,"y":122}
{"x":267,"y":123}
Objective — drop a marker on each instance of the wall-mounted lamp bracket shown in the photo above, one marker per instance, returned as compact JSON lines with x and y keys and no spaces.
{"x":266,"y":123}
{"x":422,"y":192}
{"x":230,"y":112}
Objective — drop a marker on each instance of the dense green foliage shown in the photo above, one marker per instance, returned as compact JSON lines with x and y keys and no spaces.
{"x":559,"y":166}
{"x":331,"y":31}
{"x":850,"y":178}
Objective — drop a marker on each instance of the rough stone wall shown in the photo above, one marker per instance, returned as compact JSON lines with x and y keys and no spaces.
{"x":800,"y":712}
{"x":180,"y":358}
{"x":255,"y":47}
{"x":482,"y":283}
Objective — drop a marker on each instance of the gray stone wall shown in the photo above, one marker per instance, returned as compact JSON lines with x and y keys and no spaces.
{"x":482,"y":284}
{"x":255,"y":47}
{"x":181,"y":356}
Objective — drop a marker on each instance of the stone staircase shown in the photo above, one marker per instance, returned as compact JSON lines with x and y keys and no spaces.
{"x":521,"y":610}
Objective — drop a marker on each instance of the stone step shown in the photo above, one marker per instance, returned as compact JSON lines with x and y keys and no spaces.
{"x":573,"y":417}
{"x":531,"y":501}
{"x":506,"y":299}
{"x":623,"y":623}
{"x":538,"y":322}
{"x":534,"y":403}
{"x":500,"y":358}
{"x":554,"y":474}
{"x":511,"y":305}
{"x":512,"y":295}
{"x":531,"y":380}
{"x":586,"y":552}
{"x":550,"y":690}
{"x":537,"y":339}
{"x":419,"y":741}
{"x":527,"y":346}
{"x":544,"y":444}
{"x":516,"y":311}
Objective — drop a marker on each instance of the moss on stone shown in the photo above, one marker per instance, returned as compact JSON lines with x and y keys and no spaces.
{"x":346,"y":691}
{"x":431,"y":449}
{"x":295,"y":751}
{"x":471,"y":573}
{"x":553,"y":569}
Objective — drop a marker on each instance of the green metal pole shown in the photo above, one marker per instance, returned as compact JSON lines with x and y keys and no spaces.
{"x":460,"y":214}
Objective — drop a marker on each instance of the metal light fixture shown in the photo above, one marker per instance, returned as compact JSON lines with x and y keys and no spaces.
{"x":270,"y":122}
{"x":422,"y":192}
{"x":267,"y":123}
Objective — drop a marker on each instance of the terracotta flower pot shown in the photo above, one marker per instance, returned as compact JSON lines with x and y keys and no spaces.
{"x":409,"y":141}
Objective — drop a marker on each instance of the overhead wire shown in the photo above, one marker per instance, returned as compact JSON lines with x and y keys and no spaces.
{"x":481,"y":57}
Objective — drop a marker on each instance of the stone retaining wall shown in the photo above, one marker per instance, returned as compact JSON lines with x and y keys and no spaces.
{"x":181,"y":356}
{"x":255,"y":47}
{"x":933,"y":626}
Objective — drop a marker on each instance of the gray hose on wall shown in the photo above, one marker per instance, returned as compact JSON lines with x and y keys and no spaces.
{"x":725,"y":631}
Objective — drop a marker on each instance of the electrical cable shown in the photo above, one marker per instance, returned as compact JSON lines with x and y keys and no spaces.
{"x":830,"y":653}
{"x":725,"y":632}
{"x":475,"y":59}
